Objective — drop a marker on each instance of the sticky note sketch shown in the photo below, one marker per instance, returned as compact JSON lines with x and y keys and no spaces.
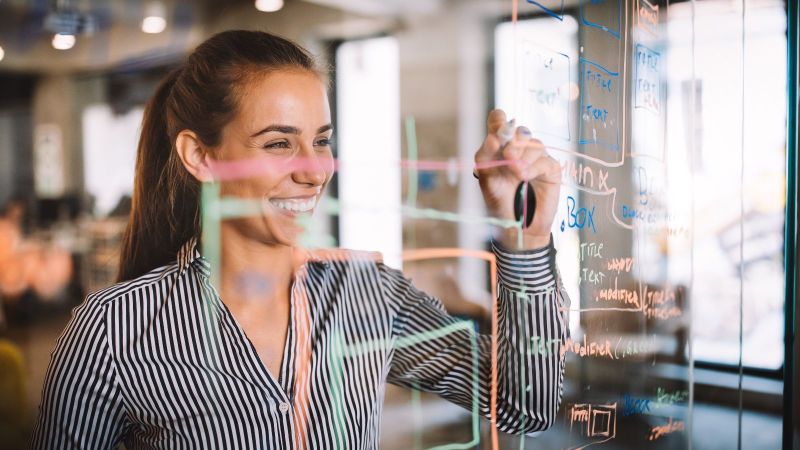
{"x":602,"y":14}
{"x":647,"y":16}
{"x":646,"y":90}
{"x":599,"y":122}
{"x":648,"y":121}
{"x":547,"y":91}
{"x":553,"y":8}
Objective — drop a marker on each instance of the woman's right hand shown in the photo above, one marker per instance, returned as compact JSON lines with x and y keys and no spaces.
{"x":523,"y":159}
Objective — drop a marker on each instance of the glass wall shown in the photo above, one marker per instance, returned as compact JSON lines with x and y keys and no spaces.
{"x":668,"y":120}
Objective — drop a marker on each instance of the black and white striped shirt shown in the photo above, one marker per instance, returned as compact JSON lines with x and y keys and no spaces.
{"x":159,"y":362}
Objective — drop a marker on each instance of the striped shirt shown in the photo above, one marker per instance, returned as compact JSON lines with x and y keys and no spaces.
{"x":159,"y":362}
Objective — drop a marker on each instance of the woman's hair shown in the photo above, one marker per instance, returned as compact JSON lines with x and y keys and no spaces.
{"x":202,"y":96}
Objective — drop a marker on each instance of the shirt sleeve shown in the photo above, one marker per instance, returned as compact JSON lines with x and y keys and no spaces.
{"x":81,"y":402}
{"x":437,"y":353}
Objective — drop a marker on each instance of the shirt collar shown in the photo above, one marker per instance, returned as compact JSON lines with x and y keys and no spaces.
{"x":188,"y":255}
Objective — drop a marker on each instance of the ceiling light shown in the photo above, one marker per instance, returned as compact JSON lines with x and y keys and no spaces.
{"x":63,"y":41}
{"x":154,"y":21}
{"x":154,"y":24}
{"x":2,"y":53}
{"x":269,"y":5}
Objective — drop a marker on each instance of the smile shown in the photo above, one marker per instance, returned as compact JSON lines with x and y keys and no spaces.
{"x":294,"y":205}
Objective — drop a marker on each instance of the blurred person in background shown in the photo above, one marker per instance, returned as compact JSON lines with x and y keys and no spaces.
{"x":17,"y":263}
{"x":13,"y":407}
{"x":30,"y":269}
{"x":13,"y":282}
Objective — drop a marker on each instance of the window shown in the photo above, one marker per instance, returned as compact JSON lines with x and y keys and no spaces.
{"x":368,"y":137}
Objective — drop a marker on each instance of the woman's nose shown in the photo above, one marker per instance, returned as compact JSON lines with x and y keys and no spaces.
{"x":312,"y":168}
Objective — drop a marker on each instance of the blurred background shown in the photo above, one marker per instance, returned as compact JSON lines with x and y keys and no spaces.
{"x":683,"y":169}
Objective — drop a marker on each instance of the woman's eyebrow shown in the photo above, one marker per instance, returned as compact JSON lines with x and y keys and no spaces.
{"x":288,"y":129}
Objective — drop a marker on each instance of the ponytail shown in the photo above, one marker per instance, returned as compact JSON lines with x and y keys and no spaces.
{"x":158,"y":225}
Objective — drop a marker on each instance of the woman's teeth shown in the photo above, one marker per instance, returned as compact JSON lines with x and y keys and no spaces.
{"x":295,"y":205}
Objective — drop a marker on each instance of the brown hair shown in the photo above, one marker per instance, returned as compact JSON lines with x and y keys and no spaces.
{"x":200,"y":96}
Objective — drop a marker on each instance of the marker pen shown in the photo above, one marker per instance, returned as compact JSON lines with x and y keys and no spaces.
{"x":524,"y":197}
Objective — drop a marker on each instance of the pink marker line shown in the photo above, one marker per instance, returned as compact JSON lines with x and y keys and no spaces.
{"x":253,"y":167}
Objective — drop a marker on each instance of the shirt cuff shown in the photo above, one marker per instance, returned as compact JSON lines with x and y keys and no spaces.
{"x":530,"y":270}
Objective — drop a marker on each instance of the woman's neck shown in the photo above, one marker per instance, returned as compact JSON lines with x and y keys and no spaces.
{"x":253,"y":273}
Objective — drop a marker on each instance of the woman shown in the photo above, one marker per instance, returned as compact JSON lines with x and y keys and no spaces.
{"x":165,"y":359}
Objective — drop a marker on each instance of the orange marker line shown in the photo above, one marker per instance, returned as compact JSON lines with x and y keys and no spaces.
{"x":514,"y":10}
{"x":303,"y":360}
{"x":302,"y":366}
{"x":433,"y":253}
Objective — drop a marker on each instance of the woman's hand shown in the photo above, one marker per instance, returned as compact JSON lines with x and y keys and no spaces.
{"x":528,"y":161}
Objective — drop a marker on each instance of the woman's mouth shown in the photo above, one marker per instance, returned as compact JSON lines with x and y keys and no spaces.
{"x":294,"y":205}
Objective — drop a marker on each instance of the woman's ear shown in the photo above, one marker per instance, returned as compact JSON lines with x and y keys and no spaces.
{"x":193,"y":156}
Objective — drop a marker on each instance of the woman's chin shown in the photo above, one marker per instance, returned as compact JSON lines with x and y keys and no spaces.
{"x":283,"y":233}
{"x":284,"y":227}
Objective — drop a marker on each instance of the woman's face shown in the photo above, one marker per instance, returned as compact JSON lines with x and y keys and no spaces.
{"x":283,"y":120}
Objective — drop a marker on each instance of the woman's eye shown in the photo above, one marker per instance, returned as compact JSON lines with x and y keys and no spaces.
{"x":323,"y":142}
{"x":277,"y":145}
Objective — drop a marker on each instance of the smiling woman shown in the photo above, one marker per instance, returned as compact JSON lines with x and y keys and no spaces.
{"x":167,"y":359}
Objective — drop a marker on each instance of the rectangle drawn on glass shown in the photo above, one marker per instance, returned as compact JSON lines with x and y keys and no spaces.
{"x":601,"y":423}
{"x":599,"y":112}
{"x":603,"y":14}
{"x":592,"y":424}
{"x":646,"y":92}
{"x":547,"y":85}
{"x":647,"y":16}
{"x":553,"y":8}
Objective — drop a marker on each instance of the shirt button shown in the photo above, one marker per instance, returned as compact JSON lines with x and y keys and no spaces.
{"x":283,"y":407}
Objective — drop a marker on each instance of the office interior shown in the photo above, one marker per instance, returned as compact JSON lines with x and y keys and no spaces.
{"x":692,"y":194}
